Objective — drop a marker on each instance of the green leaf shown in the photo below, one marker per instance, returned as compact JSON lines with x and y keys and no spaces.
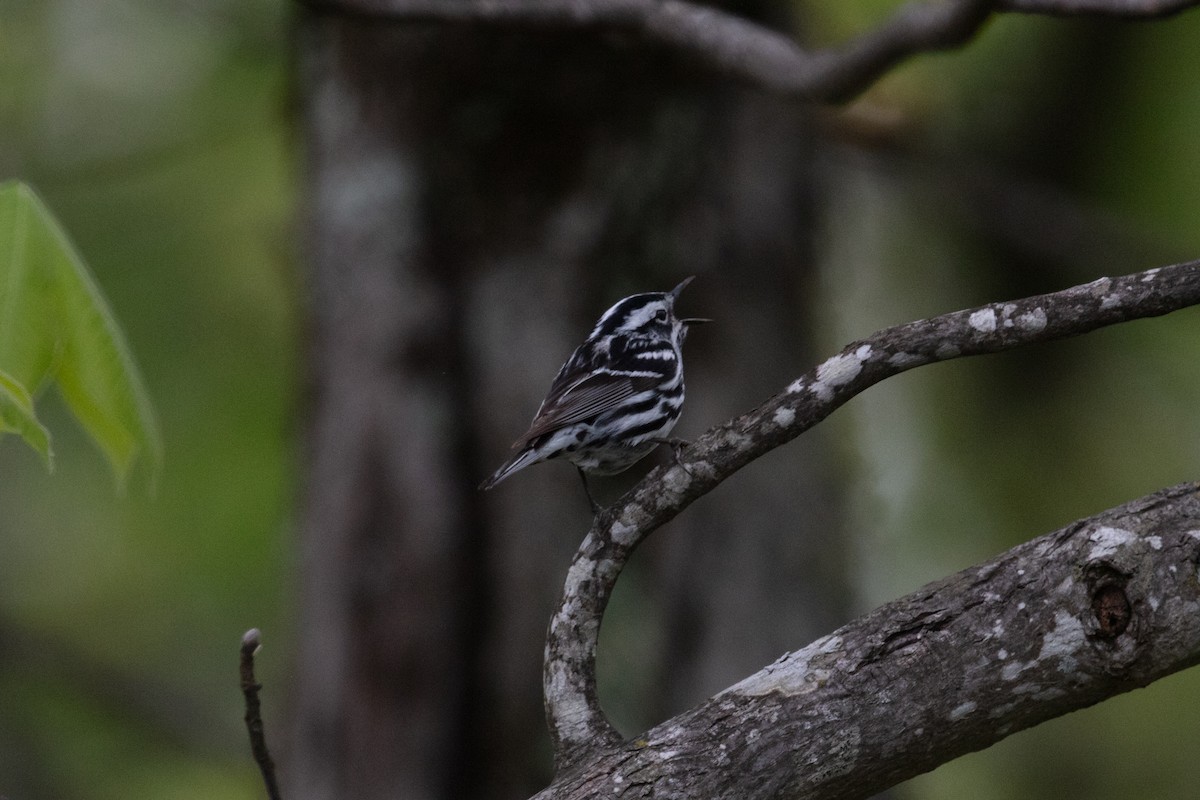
{"x":56,"y":328}
{"x":16,"y":416}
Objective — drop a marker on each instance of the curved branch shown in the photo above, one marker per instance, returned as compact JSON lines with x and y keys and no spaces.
{"x":742,"y":49}
{"x":1129,"y":9}
{"x":1105,"y":605}
{"x":578,"y":726}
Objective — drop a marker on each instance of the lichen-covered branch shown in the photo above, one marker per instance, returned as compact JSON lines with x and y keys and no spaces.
{"x":577,"y":724}
{"x":1100,"y":607}
{"x":737,"y":47}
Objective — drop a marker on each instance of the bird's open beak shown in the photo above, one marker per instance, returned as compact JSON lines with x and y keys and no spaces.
{"x":675,"y":292}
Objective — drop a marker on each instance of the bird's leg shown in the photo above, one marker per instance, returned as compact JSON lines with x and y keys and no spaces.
{"x":676,"y":444}
{"x":588,"y":492}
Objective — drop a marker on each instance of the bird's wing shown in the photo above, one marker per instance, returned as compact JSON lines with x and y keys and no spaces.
{"x":588,"y":397}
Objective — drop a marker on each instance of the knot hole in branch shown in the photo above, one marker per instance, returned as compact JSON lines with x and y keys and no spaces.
{"x":1110,"y":603}
{"x":1112,"y":610}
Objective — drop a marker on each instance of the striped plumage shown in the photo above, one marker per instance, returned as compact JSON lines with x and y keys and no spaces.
{"x":617,"y":397}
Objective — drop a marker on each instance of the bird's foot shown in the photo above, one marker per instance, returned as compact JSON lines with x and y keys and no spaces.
{"x":677,"y":446}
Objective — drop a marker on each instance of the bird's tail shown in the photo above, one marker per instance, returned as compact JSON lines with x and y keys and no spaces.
{"x":518,"y":462}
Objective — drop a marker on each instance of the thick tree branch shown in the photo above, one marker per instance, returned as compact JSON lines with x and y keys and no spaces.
{"x":734,"y":46}
{"x":1131,"y":9}
{"x":1100,"y":607}
{"x":577,"y":724}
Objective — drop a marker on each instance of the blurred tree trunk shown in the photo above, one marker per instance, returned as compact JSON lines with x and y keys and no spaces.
{"x":476,"y":198}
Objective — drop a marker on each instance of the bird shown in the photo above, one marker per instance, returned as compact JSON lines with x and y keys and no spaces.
{"x":616,"y":398}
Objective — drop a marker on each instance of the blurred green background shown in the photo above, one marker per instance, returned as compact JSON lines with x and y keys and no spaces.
{"x":160,"y":134}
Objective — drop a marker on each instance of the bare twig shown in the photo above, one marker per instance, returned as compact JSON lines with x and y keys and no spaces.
{"x":750,"y":52}
{"x":1102,"y":606}
{"x":577,"y":724}
{"x":251,"y":642}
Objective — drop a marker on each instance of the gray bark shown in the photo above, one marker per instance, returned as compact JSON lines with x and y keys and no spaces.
{"x":577,"y":723}
{"x":1100,"y":607}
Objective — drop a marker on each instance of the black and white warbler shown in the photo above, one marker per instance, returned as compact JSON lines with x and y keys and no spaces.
{"x":617,"y":397}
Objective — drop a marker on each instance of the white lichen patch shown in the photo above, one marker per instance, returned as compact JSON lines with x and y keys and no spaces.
{"x":1155,"y":542}
{"x":983,"y":320}
{"x":792,"y":673}
{"x":677,"y":478}
{"x":1032,"y":321}
{"x":903,"y":359}
{"x":829,"y":644}
{"x":839,"y":370}
{"x":960,"y":711}
{"x":784,"y":417}
{"x":1108,"y":541}
{"x":1002,"y":654}
{"x":1012,"y":670}
{"x":1150,"y":275}
{"x":1063,"y":641}
{"x":569,"y":704}
{"x":624,"y":534}
{"x":796,"y":386}
{"x":580,"y":571}
{"x":1109,"y":300}
{"x":735,"y":440}
{"x":558,"y":684}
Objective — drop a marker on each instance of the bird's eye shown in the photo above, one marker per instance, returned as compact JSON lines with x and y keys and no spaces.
{"x":661,"y":315}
